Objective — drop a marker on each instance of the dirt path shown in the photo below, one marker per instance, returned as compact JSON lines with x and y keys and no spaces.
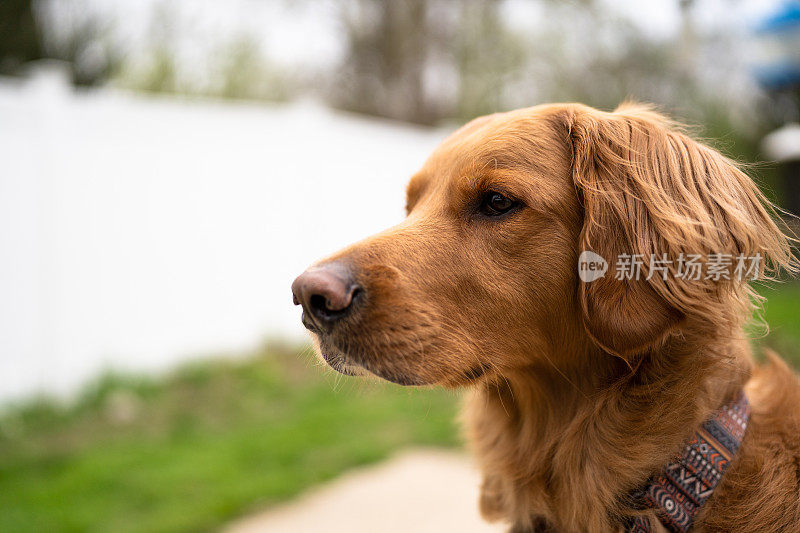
{"x":418,"y":491}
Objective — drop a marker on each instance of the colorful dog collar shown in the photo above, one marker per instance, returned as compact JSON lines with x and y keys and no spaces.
{"x":681,"y":489}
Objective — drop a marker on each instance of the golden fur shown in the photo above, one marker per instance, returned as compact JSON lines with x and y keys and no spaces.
{"x":580,"y":391}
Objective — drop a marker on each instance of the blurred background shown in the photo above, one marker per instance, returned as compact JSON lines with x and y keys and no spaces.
{"x":168,"y":167}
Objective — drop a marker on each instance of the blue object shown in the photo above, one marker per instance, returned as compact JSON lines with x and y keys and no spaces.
{"x":777,"y":53}
{"x":787,"y":17}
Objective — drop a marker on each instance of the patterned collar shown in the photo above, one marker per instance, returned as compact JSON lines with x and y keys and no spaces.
{"x":681,"y":489}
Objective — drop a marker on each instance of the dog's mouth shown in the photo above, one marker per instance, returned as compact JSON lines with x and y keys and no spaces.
{"x":356,"y":364}
{"x":335,"y":358}
{"x":404,"y":346}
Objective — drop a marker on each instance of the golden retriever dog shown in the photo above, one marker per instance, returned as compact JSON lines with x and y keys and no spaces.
{"x":581,"y":391}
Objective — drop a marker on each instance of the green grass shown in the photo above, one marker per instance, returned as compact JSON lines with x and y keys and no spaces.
{"x":206,"y":444}
{"x":782,"y":313}
{"x":216,"y":439}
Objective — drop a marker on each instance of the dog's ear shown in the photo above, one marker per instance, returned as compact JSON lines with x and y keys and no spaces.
{"x":650,"y":191}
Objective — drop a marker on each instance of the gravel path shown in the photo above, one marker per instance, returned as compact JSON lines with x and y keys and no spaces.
{"x":418,"y":491}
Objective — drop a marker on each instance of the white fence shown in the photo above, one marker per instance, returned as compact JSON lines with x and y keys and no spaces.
{"x":136,"y":232}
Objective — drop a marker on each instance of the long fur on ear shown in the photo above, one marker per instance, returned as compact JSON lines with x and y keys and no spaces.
{"x":649,"y":189}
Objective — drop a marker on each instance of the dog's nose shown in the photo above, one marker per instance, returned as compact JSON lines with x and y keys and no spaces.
{"x":326,"y":293}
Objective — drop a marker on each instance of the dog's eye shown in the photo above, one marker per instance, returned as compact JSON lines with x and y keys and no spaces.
{"x":495,"y":204}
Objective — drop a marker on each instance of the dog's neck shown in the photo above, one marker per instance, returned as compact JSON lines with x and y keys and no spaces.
{"x":584,"y":430}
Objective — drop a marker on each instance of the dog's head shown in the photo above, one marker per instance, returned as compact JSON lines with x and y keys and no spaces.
{"x":482,"y":277}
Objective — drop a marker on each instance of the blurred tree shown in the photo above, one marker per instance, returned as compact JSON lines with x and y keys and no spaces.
{"x":157,"y":76}
{"x":35,"y":30}
{"x":428,"y":61}
{"x":243,"y":72}
{"x":388,"y":47}
{"x":488,"y":55}
{"x":85,"y":47}
{"x":19,"y":35}
{"x":237,"y":69}
{"x":154,"y":68}
{"x":424,"y":60}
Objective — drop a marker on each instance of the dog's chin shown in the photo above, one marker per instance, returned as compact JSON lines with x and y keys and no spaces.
{"x":349,"y":365}
{"x":337,"y":361}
